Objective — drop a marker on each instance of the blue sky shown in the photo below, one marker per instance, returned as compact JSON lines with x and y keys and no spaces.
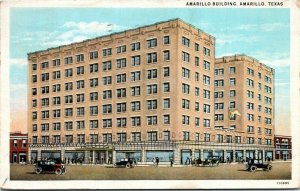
{"x":261,"y":33}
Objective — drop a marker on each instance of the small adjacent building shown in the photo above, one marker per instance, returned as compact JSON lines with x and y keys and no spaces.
{"x":283,"y":147}
{"x":18,"y":147}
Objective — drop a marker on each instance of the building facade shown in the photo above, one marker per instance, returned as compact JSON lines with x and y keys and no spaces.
{"x":143,"y":93}
{"x":18,"y":148}
{"x":283,"y":147}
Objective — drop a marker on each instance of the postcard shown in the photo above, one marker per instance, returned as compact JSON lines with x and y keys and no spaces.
{"x":150,"y":94}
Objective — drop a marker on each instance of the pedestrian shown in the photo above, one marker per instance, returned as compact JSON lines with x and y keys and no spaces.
{"x":227,"y":160}
{"x":154,"y":161}
{"x":171,"y":160}
{"x":157,"y":161}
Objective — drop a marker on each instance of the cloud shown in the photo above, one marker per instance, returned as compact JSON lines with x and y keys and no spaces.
{"x":18,"y":96}
{"x":19,"y":62}
{"x":225,"y":39}
{"x":273,"y":59}
{"x":266,"y":27}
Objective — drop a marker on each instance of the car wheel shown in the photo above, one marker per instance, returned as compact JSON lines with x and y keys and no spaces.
{"x":253,"y":168}
{"x":269,"y":167}
{"x":58,"y":171}
{"x":128,"y":165}
{"x":115,"y":165}
{"x":38,"y":170}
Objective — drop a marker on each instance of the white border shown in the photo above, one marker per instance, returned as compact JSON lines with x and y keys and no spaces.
{"x":146,"y":184}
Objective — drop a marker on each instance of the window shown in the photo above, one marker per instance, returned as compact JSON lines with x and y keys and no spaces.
{"x":232,"y":93}
{"x":94,"y":138}
{"x":219,"y":71}
{"x":206,"y":65}
{"x":185,"y":41}
{"x":186,"y":135}
{"x":121,"y":107}
{"x":219,"y":138}
{"x":80,"y":84}
{"x":232,"y":104}
{"x":219,"y":94}
{"x":121,"y":63}
{"x":268,"y":110}
{"x":107,"y":94}
{"x":250,"y":83}
{"x":121,"y":122}
{"x":136,"y":137}
{"x":94,"y":82}
{"x":228,"y":139}
{"x":166,"y":71}
{"x":121,"y":78}
{"x":34,"y":103}
{"x":152,"y":43}
{"x":166,"y":135}
{"x":56,"y":126}
{"x":107,"y":137}
{"x":268,"y":131}
{"x":250,"y":94}
{"x":166,"y":87}
{"x":68,"y":72}
{"x":250,"y":72}
{"x":206,"y":122}
{"x":185,"y":104}
{"x":34,"y":78}
{"x":34,"y":67}
{"x":93,"y":124}
{"x":68,"y":112}
{"x":259,"y":86}
{"x":45,"y":102}
{"x":45,"y":114}
{"x":135,"y":76}
{"x":93,"y":110}
{"x":45,"y":77}
{"x":69,"y":138}
{"x":267,"y":89}
{"x":107,"y":108}
{"x":80,"y":124}
{"x":197,"y":76}
{"x":197,"y":106}
{"x":135,"y":121}
{"x":166,"y":119}
{"x":206,"y":108}
{"x":135,"y":60}
{"x":93,"y":68}
{"x":250,"y":140}
{"x":106,"y":66}
{"x":93,"y":54}
{"x":15,"y":143}
{"x":136,"y":91}
{"x":268,"y":121}
{"x":121,"y":93}
{"x":268,"y":79}
{"x":56,"y":113}
{"x":232,"y":82}
{"x":196,"y":46}
{"x":152,"y":89}
{"x":250,"y":129}
{"x":135,"y":106}
{"x":185,"y":88}
{"x":267,"y":100}
{"x":166,"y":40}
{"x":80,"y":138}
{"x":69,"y":125}
{"x":56,"y":88}
{"x":79,"y":58}
{"x":79,"y":98}
{"x":45,"y":139}
{"x":197,"y":61}
{"x":106,"y":52}
{"x":166,"y":103}
{"x":69,"y":60}
{"x":121,"y":49}
{"x":185,"y":56}
{"x":152,"y":74}
{"x":206,"y":51}
{"x":151,"y":120}
{"x":219,"y":106}
{"x":44,"y":65}
{"x":68,"y":86}
{"x":45,"y":89}
{"x":206,"y":80}
{"x":151,"y":104}
{"x":56,"y":62}
{"x":238,"y":139}
{"x":219,"y":117}
{"x":135,"y":46}
{"x":107,"y":80}
{"x":219,"y":83}
{"x":80,"y":70}
{"x":185,"y":119}
{"x":206,"y":94}
{"x":250,"y":105}
{"x":80,"y":111}
{"x":34,"y":139}
{"x":232,"y":70}
{"x":250,"y":117}
{"x":166,"y":55}
{"x":197,"y":121}
{"x":152,"y":136}
{"x":106,"y":123}
{"x":56,"y":100}
{"x":151,"y":57}
{"x":206,"y":137}
{"x":185,"y":73}
{"x":45,"y":126}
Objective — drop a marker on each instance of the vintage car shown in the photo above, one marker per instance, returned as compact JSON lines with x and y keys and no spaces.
{"x":254,"y":164}
{"x":212,"y":161}
{"x":125,"y":162}
{"x":50,"y":166}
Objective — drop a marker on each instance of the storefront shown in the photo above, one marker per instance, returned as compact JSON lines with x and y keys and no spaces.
{"x":56,"y":155}
{"x":73,"y":157}
{"x":164,"y":156}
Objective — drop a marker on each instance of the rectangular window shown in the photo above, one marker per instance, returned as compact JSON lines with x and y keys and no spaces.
{"x":136,"y":137}
{"x":166,"y":40}
{"x":185,"y":56}
{"x":135,"y":76}
{"x":206,"y":65}
{"x":135,"y":106}
{"x":69,"y":125}
{"x":69,"y":60}
{"x":107,"y":94}
{"x":68,"y":72}
{"x":80,"y":111}
{"x":219,"y":72}
{"x":206,"y":94}
{"x":80,"y":138}
{"x":219,"y":83}
{"x":206,"y":80}
{"x":135,"y":121}
{"x":93,"y":124}
{"x":206,"y":122}
{"x":151,"y":57}
{"x":206,"y":108}
{"x":80,"y":70}
{"x":185,"y":41}
{"x":206,"y":137}
{"x":69,"y":112}
{"x":136,"y":91}
{"x":93,"y":110}
{"x":232,"y":93}
{"x":151,"y":104}
{"x":106,"y":109}
{"x":121,"y":107}
{"x":121,"y":93}
{"x":94,"y":82}
{"x":79,"y":98}
{"x":166,"y":135}
{"x":166,"y":103}
{"x":152,"y":136}
{"x":45,"y":139}
{"x":185,"y":120}
{"x":80,"y":124}
{"x":106,"y":52}
{"x":151,"y":120}
{"x":121,"y":78}
{"x":152,"y":89}
{"x":232,"y":70}
{"x":45,"y":127}
{"x":93,"y":54}
{"x":94,"y":96}
{"x":121,"y":49}
{"x":196,"y":47}
{"x":185,"y":73}
{"x":56,"y":126}
{"x":135,"y":46}
{"x":152,"y":43}
{"x":166,"y":119}
{"x":186,"y":135}
{"x":152,"y":74}
{"x":219,"y":117}
{"x":94,"y":138}
{"x":166,"y":55}
{"x":185,"y":104}
{"x":206,"y":51}
{"x":166,"y":87}
{"x":166,"y":71}
{"x":45,"y":77}
{"x":197,"y":61}
{"x":94,"y":68}
{"x":106,"y":123}
{"x":197,"y":91}
{"x":185,"y":88}
{"x":106,"y":66}
{"x":107,"y":138}
{"x":44,"y":65}
{"x":232,"y":82}
{"x":107,"y":80}
{"x":79,"y":58}
{"x":121,"y":122}
{"x":56,"y":75}
{"x":56,"y":62}
{"x":250,"y":71}
{"x":135,"y":60}
{"x":80,"y":84}
{"x":121,"y":63}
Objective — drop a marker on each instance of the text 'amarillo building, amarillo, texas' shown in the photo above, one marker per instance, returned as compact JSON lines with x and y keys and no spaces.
{"x":153,"y":91}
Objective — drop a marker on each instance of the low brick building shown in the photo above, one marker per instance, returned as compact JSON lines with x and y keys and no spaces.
{"x":283,"y":147}
{"x":18,"y":147}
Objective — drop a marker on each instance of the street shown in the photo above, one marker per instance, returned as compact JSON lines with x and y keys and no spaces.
{"x":280,"y":170}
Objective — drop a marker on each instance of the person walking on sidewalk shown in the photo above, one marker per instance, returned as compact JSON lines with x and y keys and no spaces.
{"x":157,"y":161}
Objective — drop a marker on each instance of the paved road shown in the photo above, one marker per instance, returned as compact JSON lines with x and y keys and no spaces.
{"x":222,"y":172}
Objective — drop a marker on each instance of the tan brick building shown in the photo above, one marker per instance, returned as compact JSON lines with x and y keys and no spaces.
{"x":142,"y":93}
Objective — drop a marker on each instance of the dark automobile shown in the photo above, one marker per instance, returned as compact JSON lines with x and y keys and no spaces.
{"x":253,"y":164}
{"x":212,"y":161}
{"x":125,"y":162}
{"x":50,"y":166}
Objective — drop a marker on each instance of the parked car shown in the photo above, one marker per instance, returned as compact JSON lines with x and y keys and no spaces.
{"x":254,"y":164}
{"x":50,"y":166}
{"x":212,"y":161}
{"x":125,"y":162}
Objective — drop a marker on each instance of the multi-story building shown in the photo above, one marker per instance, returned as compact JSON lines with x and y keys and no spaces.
{"x":142,"y":93}
{"x":283,"y":147}
{"x":244,"y":103}
{"x":18,"y":147}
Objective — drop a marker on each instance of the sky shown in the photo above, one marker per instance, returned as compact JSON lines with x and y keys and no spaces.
{"x":260,"y":33}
